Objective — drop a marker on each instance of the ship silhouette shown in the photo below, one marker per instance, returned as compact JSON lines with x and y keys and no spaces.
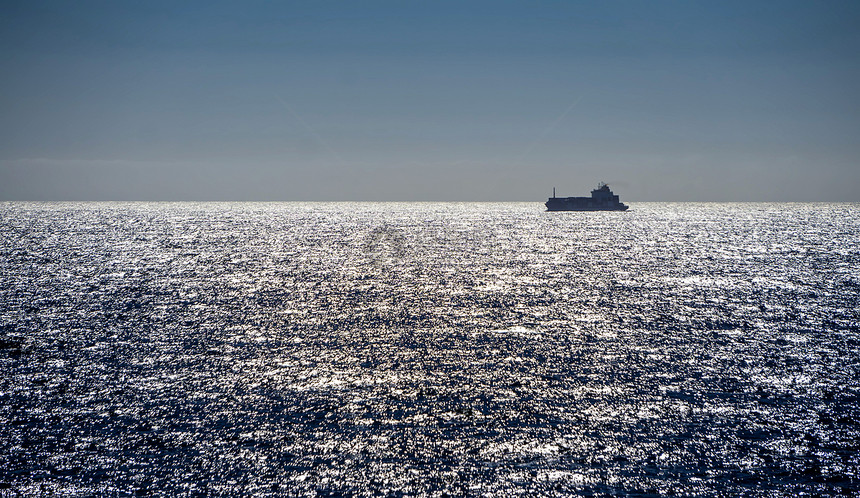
{"x":602,"y":199}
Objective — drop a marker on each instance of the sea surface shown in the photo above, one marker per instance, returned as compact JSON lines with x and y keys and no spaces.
{"x":429,"y":349}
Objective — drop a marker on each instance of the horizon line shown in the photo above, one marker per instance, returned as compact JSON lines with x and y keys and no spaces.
{"x":427,"y":201}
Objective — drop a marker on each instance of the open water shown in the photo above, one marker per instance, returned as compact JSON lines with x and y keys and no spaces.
{"x":391,"y":349}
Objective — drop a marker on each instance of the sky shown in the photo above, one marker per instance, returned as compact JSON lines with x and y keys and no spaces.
{"x":429,"y":101}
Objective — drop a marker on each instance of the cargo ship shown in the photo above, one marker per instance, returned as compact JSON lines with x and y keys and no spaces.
{"x":602,"y":199}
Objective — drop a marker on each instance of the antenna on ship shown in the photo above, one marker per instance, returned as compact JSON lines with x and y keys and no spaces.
{"x":553,"y":192}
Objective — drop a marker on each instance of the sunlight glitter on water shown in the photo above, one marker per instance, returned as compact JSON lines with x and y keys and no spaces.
{"x":375,"y":349}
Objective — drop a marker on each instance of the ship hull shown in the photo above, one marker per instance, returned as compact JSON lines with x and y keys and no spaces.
{"x":582,"y":204}
{"x":622,"y":207}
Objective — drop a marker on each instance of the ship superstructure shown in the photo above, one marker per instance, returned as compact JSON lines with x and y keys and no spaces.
{"x":602,"y":199}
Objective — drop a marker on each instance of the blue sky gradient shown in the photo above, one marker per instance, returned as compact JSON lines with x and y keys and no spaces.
{"x":151,"y":100}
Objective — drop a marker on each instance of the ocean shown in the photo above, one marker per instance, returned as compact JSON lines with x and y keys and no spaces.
{"x":429,"y":349}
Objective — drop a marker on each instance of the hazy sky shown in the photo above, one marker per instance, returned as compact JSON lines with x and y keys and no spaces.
{"x":401,"y":100}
